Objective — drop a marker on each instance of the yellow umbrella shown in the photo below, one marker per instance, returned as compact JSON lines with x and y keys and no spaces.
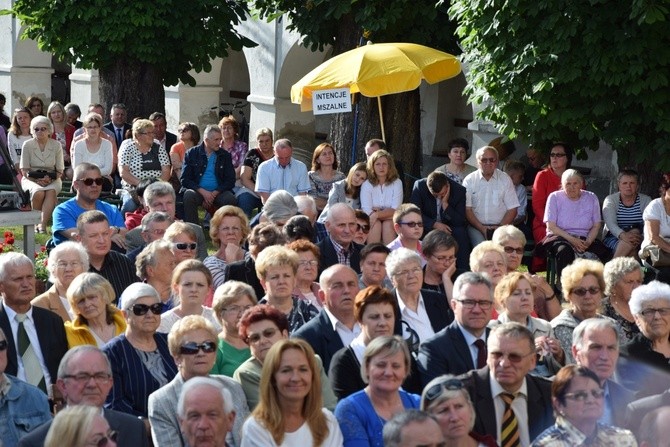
{"x":377,"y":70}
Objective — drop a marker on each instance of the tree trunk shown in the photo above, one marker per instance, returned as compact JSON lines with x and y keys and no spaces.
{"x":402,"y":120}
{"x":137,"y":85}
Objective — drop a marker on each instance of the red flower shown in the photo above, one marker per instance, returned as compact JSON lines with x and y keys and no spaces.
{"x":44,"y":248}
{"x":8,"y":234}
{"x":9,"y":240}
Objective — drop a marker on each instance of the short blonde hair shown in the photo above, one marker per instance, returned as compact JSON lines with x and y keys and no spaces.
{"x":141,"y":126}
{"x":507,"y":285}
{"x":71,"y":426}
{"x":276,"y":256}
{"x":506,"y":233}
{"x":183,"y":326}
{"x":575,"y":272}
{"x":480,"y":250}
{"x":388,"y":345}
{"x":229,"y":292}
{"x":177,"y":228}
{"x":225,"y":211}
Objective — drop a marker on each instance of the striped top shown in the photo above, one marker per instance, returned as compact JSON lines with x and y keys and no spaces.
{"x":629,"y":216}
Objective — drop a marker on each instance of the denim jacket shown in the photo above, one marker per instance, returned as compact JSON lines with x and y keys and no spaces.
{"x":195,"y":164}
{"x":23,"y":409}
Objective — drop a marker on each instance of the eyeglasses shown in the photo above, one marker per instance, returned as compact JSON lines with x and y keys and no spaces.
{"x":64,"y":265}
{"x":582,"y":291}
{"x":412,"y":224}
{"x":151,"y":132}
{"x":470,"y":304}
{"x":510,"y":250}
{"x":186,"y":129}
{"x":186,"y":246}
{"x":487,"y":160}
{"x":3,"y":345}
{"x":40,"y":129}
{"x":650,"y":312}
{"x":364,"y":228}
{"x":192,"y":348}
{"x":92,"y":127}
{"x":444,"y":258}
{"x":556,"y":155}
{"x":111,"y":435}
{"x":90,"y":181}
{"x":581,"y":396}
{"x":415,"y":271}
{"x":435,"y":391}
{"x":227,"y":229}
{"x":237,"y":309}
{"x":308,"y":263}
{"x":142,"y":309}
{"x":512,"y":356}
{"x":267,"y":333}
{"x":100,"y":377}
{"x":155,"y":232}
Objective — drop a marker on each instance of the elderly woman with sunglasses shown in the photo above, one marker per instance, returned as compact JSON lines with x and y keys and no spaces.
{"x":191,"y":283}
{"x":183,"y":239}
{"x":449,"y":402}
{"x":192,"y":343}
{"x":42,"y":167}
{"x":96,"y":320}
{"x":513,"y":242}
{"x":231,"y":300}
{"x":645,"y":360}
{"x":578,"y":401}
{"x":583,"y":286}
{"x":261,"y":327}
{"x":140,"y":358}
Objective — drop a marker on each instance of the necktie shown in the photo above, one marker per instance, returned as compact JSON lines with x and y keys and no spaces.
{"x":119,"y":137}
{"x":481,"y":353}
{"x":31,"y":363}
{"x":509,"y":432}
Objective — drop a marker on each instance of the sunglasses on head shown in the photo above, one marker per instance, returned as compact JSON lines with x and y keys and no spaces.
{"x":184,"y":246}
{"x":111,"y":435}
{"x":436,"y":390}
{"x":90,"y":181}
{"x":3,"y":345}
{"x":142,"y":309}
{"x":192,"y":348}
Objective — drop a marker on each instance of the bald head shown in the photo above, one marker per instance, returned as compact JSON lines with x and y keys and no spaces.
{"x":341,"y":224}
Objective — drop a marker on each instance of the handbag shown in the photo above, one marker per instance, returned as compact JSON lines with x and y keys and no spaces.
{"x":41,"y":173}
{"x":656,"y":256}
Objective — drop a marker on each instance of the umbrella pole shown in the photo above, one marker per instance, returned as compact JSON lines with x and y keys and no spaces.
{"x":355,"y":138}
{"x":381,"y":117}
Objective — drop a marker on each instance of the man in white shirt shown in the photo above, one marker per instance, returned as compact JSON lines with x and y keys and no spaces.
{"x":490,"y":199}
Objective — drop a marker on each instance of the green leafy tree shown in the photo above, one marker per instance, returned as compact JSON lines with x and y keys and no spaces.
{"x":344,"y":24}
{"x":138,"y":46}
{"x":579,"y":71}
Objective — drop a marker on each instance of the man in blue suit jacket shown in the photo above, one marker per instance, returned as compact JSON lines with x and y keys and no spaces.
{"x":78,"y":367}
{"x":442,"y":204}
{"x":335,"y":326}
{"x":457,"y":348}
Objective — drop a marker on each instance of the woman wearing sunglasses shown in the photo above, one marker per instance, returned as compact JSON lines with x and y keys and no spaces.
{"x":95,"y":149}
{"x":578,"y":401}
{"x":42,"y":166}
{"x":183,"y":240}
{"x":80,"y":426}
{"x":192,"y":343}
{"x":449,"y":402}
{"x":96,"y":320}
{"x":290,"y":411}
{"x":191,"y":283}
{"x":261,"y":327}
{"x":513,"y":242}
{"x":583,"y":285}
{"x":140,"y":358}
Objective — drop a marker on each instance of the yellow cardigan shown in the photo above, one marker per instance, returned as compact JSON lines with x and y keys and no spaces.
{"x":80,"y":334}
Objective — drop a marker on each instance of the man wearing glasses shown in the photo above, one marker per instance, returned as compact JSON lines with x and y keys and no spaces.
{"x":461,"y":346}
{"x":88,"y":185}
{"x":511,"y":404}
{"x":490,"y":199}
{"x":85,"y":378}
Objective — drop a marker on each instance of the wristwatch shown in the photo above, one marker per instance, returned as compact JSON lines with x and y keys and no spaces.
{"x":117,"y":230}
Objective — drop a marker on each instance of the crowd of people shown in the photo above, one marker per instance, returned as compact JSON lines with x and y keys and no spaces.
{"x":331,"y":312}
